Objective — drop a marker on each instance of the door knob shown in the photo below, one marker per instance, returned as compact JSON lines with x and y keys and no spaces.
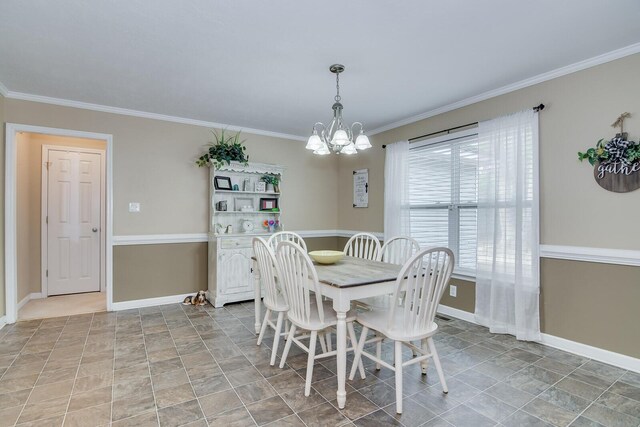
{"x":94,"y":229}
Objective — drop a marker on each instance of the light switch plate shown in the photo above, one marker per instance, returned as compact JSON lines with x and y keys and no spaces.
{"x":134,"y":207}
{"x":453,"y":291}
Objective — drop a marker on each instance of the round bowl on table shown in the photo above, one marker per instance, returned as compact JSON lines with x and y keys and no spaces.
{"x":326,"y":257}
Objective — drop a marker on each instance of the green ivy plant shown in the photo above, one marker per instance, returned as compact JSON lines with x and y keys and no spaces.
{"x":223,"y":150}
{"x":597,"y":154}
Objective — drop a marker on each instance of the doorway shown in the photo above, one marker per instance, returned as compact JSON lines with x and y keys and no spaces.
{"x":58,"y":212}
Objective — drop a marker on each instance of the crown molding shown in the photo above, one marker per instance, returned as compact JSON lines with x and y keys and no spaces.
{"x":550,"y":75}
{"x":559,"y":72}
{"x":143,"y":114}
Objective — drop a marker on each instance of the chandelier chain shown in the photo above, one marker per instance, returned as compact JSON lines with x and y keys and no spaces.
{"x":337,"y":97}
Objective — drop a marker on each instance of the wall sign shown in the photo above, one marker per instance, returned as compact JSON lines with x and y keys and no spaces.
{"x":361,"y":188}
{"x":616,"y":162}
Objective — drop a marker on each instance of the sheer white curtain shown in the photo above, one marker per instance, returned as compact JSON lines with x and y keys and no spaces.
{"x":397,"y":215}
{"x":507,"y":275}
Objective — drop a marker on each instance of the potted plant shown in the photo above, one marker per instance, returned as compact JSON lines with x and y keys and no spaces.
{"x":272,"y":183}
{"x":223,"y":150}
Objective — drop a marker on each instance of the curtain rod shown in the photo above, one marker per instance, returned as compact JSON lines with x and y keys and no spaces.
{"x":536,"y":109}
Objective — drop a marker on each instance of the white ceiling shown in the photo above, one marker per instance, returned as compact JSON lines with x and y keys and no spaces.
{"x":264,"y":64}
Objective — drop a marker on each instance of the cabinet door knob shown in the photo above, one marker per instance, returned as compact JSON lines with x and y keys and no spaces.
{"x":94,"y":229}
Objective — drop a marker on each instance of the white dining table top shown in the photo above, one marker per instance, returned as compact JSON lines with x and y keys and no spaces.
{"x":350,"y":272}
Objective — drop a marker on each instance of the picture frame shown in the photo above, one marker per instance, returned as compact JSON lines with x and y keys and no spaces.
{"x":222,"y":183}
{"x":261,"y":187}
{"x":267,"y":204}
{"x":241,"y":204}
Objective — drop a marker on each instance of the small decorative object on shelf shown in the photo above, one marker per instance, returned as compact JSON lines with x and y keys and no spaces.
{"x":224,"y":150}
{"x":271,"y":225}
{"x":261,"y":187}
{"x":222,"y":183}
{"x":272,"y":183}
{"x":236,"y":187}
{"x":268,"y":204}
{"x":221,"y":206}
{"x":616,"y":162}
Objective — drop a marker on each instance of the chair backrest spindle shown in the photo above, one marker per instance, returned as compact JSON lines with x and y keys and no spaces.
{"x":299,"y":279}
{"x":363,"y":245}
{"x":286,"y":236}
{"x":268,"y":267}
{"x":422,"y":279}
{"x":398,"y":250}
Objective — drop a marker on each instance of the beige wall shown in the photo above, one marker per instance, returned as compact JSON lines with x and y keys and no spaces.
{"x":595,"y":304}
{"x":29,"y":201}
{"x":149,"y":271}
{"x":153,"y":163}
{"x":585,"y":302}
{"x":2,"y":132}
{"x":579,"y":110}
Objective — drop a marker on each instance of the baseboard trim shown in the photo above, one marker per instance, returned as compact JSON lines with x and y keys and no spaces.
{"x":149,"y":302}
{"x":34,"y":295}
{"x":595,"y":353}
{"x":3,"y":321}
{"x":601,"y":355}
{"x":457,"y":313}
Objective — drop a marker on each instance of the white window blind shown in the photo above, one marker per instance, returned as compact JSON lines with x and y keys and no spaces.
{"x":443,"y":192}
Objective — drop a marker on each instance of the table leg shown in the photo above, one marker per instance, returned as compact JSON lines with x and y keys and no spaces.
{"x":341,"y":347}
{"x":258,"y":297}
{"x":341,"y":307}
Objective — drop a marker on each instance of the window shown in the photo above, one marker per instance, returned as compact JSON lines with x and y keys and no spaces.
{"x":443,"y":193}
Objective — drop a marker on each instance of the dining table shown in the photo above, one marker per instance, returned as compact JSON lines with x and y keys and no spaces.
{"x":345,"y":281}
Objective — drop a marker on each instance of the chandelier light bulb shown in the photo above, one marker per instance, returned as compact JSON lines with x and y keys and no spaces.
{"x":362,"y":142}
{"x":349,"y":149}
{"x":314,"y":142}
{"x":323,"y":150}
{"x":340,"y":138}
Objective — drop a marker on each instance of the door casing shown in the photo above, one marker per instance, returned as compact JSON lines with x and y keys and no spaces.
{"x":44,"y":204}
{"x":10,"y":199}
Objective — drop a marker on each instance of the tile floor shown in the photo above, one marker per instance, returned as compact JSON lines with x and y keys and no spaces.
{"x":179,"y":365}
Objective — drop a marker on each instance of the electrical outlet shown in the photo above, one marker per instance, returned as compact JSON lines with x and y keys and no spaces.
{"x":134,"y":207}
{"x":453,"y":291}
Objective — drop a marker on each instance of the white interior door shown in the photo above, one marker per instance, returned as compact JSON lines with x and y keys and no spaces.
{"x":73,"y":222}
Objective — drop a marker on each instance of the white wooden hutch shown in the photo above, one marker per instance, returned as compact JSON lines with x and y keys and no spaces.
{"x":230,"y":267}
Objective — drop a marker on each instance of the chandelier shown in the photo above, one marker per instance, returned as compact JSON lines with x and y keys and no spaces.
{"x":337,"y":137}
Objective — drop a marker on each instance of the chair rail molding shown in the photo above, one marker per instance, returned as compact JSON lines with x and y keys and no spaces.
{"x":588,"y":254}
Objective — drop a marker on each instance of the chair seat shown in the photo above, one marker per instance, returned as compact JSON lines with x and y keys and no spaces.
{"x":330,"y":317}
{"x":278,"y":305}
{"x":378,"y":320}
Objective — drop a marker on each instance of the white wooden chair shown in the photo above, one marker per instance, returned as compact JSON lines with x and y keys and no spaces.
{"x":286,"y":236}
{"x":307,"y":310}
{"x":423,"y":279}
{"x":274,"y":299}
{"x":363,"y":245}
{"x":398,"y":250}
